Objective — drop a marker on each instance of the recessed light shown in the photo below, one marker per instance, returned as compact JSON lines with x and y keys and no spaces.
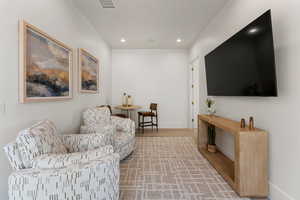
{"x":253,"y":30}
{"x":123,"y":40}
{"x":179,"y":40}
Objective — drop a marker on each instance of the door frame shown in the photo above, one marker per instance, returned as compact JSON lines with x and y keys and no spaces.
{"x":194,"y":73}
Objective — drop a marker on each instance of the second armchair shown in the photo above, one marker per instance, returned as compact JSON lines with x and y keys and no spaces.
{"x":122,"y":137}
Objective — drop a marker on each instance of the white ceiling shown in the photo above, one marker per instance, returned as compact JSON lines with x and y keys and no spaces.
{"x":150,"y":23}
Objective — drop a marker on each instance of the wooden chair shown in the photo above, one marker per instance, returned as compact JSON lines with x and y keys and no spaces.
{"x":149,"y":114}
{"x":117,"y":115}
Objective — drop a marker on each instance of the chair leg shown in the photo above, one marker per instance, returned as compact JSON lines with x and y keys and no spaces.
{"x":156,"y":123}
{"x":143,"y":125}
{"x":139,"y":123}
{"x":152,"y":123}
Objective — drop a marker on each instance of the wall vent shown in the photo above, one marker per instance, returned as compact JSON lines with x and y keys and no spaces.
{"x":107,"y":3}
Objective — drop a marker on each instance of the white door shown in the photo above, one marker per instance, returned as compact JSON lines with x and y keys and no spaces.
{"x":194,"y":92}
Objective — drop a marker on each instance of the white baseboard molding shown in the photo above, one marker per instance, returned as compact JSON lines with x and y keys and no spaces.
{"x":277,"y":194}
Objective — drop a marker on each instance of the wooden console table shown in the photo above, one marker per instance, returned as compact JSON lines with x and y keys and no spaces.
{"x":247,"y":174}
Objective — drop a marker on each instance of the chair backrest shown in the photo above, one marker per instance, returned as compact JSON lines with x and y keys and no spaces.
{"x":108,"y":106}
{"x":96,"y":115}
{"x":153,"y":107}
{"x":41,"y":138}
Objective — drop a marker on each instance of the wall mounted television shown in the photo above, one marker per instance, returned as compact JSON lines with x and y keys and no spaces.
{"x":244,"y":65}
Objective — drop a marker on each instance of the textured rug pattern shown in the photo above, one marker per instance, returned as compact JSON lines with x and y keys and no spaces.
{"x":171,"y":168}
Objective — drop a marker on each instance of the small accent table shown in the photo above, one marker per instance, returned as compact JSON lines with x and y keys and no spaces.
{"x":128,"y":109}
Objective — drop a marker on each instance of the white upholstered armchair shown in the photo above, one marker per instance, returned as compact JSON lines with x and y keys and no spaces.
{"x":122,"y":138}
{"x":48,"y":166}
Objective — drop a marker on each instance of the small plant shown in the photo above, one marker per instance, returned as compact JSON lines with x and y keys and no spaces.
{"x":210,"y":102}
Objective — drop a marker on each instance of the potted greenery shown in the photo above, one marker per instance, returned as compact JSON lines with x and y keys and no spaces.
{"x":211,"y":139}
{"x":210,"y":106}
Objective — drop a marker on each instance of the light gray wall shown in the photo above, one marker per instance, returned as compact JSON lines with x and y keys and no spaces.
{"x":153,"y":76}
{"x":279,"y":115}
{"x":63,"y":21}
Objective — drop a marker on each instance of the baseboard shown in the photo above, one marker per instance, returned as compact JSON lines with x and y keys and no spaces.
{"x":169,"y":129}
{"x":277,"y":194}
{"x":175,"y":129}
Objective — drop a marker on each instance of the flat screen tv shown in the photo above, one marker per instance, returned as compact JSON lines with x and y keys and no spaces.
{"x":244,"y":65}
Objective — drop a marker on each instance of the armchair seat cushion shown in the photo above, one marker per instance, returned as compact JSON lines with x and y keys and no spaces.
{"x":85,"y":142}
{"x":54,"y":161}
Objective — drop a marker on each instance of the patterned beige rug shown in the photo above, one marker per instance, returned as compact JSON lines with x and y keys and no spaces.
{"x":171,"y":168}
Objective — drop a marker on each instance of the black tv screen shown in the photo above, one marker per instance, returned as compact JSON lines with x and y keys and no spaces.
{"x":244,"y":65}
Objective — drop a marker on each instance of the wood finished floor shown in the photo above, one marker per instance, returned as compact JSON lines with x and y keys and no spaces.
{"x":173,"y":133}
{"x":168,"y":133}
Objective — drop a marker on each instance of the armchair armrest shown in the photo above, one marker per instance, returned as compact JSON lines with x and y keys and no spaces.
{"x":84,"y":142}
{"x":98,"y":179}
{"x":122,"y":124}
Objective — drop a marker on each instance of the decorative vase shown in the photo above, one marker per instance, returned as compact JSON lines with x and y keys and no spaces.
{"x":129,"y":100}
{"x":211,"y":110}
{"x":211,"y":148}
{"x":124,"y":100}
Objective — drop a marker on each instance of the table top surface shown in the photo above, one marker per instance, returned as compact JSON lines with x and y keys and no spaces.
{"x":227,"y":124}
{"x":132,"y":107}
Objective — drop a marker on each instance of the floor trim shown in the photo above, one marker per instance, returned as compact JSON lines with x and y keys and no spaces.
{"x":277,"y":194}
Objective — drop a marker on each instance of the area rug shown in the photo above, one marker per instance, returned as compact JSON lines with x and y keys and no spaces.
{"x":171,"y":168}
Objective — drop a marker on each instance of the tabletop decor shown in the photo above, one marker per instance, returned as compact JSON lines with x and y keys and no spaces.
{"x":243,"y":123}
{"x":210,"y":103}
{"x":45,"y":66}
{"x":129,"y":100}
{"x":88,"y":72}
{"x":251,"y":123}
{"x":124,"y":99}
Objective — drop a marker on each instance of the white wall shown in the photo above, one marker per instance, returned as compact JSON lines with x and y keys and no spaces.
{"x":280,"y":115}
{"x":153,"y":76}
{"x":62,"y":20}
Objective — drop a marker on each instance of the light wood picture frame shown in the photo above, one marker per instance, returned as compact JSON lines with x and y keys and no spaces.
{"x":45,"y":66}
{"x":88,"y":72}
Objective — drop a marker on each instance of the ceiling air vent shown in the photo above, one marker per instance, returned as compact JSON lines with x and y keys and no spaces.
{"x":107,"y":3}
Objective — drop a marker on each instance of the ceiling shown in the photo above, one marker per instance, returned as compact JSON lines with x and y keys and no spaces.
{"x":154,"y":24}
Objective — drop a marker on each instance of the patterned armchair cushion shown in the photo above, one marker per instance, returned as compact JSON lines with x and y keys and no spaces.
{"x":85,"y":142}
{"x":100,"y":129}
{"x":99,"y":116}
{"x":120,"y":138}
{"x":121,"y":124}
{"x":40,"y":139}
{"x":89,"y":181}
{"x":123,"y":130}
{"x":13,"y":155}
{"x":123,"y":144}
{"x":53,"y":161}
{"x":107,"y":131}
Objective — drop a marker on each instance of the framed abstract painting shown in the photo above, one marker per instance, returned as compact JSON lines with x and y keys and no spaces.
{"x":88,"y":72}
{"x":45,"y":66}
